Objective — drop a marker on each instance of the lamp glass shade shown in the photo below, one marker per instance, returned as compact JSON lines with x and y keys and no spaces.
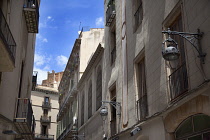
{"x":104,"y":113}
{"x":171,"y":53}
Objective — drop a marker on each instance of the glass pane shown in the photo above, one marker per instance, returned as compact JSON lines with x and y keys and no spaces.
{"x":201,"y":122}
{"x":199,"y":137}
{"x":206,"y":136}
{"x":185,"y":128}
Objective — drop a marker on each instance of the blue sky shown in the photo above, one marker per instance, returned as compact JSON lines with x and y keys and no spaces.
{"x":59,"y":24}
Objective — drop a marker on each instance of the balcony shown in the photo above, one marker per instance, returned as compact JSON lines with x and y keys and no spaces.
{"x":178,"y":82}
{"x":44,"y":137}
{"x":110,"y":13}
{"x":31,"y":12}
{"x":24,"y":119}
{"x":45,"y":119}
{"x":7,"y":46}
{"x":46,"y":105}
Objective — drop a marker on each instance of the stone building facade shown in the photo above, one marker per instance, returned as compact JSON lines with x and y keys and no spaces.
{"x":158,"y":99}
{"x":53,"y":79}
{"x":19,"y":21}
{"x":83,"y":50}
{"x":45,"y":106}
{"x":147,"y":97}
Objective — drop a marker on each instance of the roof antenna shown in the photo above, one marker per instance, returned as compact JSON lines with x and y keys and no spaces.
{"x":79,"y":26}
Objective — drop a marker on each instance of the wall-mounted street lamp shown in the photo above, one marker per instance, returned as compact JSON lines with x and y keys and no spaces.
{"x":171,"y":52}
{"x":104,"y":109}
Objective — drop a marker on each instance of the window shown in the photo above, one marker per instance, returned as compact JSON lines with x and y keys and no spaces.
{"x":46,"y":99}
{"x":0,"y":77}
{"x":90,"y":100}
{"x":72,"y":83}
{"x":113,"y":46}
{"x":138,"y":13}
{"x":45,"y":111}
{"x":113,"y":122}
{"x":44,"y":130}
{"x":195,"y":127}
{"x":99,"y":88}
{"x":110,"y":13}
{"x":142,"y":92}
{"x":82,"y":109}
{"x":178,"y":80}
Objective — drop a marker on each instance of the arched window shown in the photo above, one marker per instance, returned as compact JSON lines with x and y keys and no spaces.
{"x":90,"y":100}
{"x":98,"y":88}
{"x":196,"y":127}
{"x":82,"y":109}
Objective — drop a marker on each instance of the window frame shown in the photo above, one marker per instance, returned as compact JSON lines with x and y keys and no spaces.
{"x":173,"y":19}
{"x":141,"y":88}
{"x":98,"y":93}
{"x":137,"y":14}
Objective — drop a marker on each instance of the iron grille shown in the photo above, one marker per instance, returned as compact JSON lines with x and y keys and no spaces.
{"x":178,"y":81}
{"x":142,"y":107}
{"x":110,"y":13}
{"x":25,"y":113}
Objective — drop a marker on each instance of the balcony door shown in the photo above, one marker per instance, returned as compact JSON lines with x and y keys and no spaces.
{"x":178,"y":80}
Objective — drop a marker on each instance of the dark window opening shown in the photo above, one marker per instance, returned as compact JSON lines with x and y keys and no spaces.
{"x":138,"y":14}
{"x":113,"y":46}
{"x":82,"y":109}
{"x":45,"y":112}
{"x":113,"y":122}
{"x":44,"y":130}
{"x":99,"y":88}
{"x":90,"y":100}
{"x":178,"y":79}
{"x":142,"y":92}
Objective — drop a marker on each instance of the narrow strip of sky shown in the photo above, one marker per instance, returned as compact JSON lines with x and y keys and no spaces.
{"x":59,"y":24}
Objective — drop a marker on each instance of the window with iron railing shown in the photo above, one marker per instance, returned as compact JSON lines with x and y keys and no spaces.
{"x":178,"y":79}
{"x":142,"y":106}
{"x":110,"y":13}
{"x":138,"y":14}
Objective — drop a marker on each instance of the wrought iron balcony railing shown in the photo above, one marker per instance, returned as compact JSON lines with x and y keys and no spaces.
{"x":142,"y":107}
{"x":31,"y":11}
{"x":46,"y":105}
{"x":113,"y":127}
{"x":44,"y":137}
{"x":24,"y":119}
{"x":6,"y":38}
{"x":45,"y":119}
{"x":178,"y":82}
{"x":110,"y":13}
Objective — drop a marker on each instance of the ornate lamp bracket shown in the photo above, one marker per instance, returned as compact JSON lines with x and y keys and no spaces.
{"x":192,"y":38}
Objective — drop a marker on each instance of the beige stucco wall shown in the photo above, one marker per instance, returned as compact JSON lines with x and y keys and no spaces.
{"x":10,"y":81}
{"x":37,"y":98}
{"x":148,"y":39}
{"x":90,"y":128}
{"x":89,"y":43}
